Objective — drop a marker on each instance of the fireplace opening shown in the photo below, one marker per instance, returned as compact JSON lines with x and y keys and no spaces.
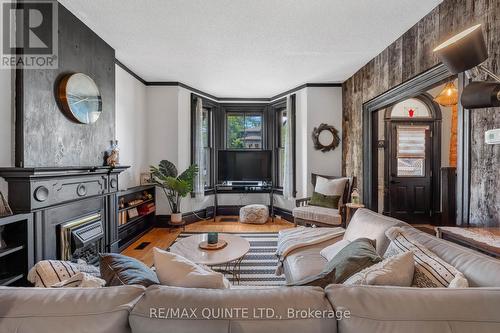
{"x":82,"y":239}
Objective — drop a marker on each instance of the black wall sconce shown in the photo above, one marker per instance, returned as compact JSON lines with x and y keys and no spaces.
{"x":465,"y":52}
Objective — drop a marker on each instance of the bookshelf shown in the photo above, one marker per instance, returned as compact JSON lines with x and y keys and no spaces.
{"x":135,"y":214}
{"x":16,"y":255}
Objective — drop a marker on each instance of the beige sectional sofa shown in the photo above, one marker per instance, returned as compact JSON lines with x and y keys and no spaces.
{"x":338,"y":308}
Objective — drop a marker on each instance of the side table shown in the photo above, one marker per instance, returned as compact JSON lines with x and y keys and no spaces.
{"x":350,"y":210}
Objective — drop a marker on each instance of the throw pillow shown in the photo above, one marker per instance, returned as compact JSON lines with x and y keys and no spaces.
{"x":48,"y":273}
{"x":117,"y":270}
{"x":354,"y":257}
{"x":430,"y":270}
{"x":331,"y":251}
{"x":177,"y":271}
{"x":322,"y":200}
{"x":331,"y":187}
{"x":81,"y":280}
{"x":393,"y":271}
{"x":322,"y":280}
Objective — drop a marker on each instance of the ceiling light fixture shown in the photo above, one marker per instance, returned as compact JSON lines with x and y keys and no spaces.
{"x":466,"y":52}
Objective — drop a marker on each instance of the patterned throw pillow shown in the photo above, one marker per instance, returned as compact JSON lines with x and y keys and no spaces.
{"x":322,"y":200}
{"x":430,"y":270}
{"x":49,"y":273}
{"x":397,"y":270}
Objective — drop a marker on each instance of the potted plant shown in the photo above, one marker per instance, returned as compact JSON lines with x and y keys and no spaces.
{"x":174,"y":186}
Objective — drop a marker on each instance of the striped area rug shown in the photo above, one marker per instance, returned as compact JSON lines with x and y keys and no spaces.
{"x":259,"y":264}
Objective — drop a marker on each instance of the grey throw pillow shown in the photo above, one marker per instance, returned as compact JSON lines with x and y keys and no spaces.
{"x":117,"y":270}
{"x":354,"y":257}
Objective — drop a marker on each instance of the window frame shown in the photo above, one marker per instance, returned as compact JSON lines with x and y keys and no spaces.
{"x":275,"y":110}
{"x":212,"y":108}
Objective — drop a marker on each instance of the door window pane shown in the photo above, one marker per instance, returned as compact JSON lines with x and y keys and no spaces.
{"x":411,"y":167}
{"x":244,"y":131}
{"x":411,"y":151}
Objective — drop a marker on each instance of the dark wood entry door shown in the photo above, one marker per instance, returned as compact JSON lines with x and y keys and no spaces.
{"x":410,"y":172}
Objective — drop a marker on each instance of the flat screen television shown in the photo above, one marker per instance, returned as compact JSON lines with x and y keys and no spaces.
{"x":237,"y":165}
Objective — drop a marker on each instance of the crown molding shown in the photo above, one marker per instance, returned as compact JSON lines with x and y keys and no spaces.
{"x":223,"y":99}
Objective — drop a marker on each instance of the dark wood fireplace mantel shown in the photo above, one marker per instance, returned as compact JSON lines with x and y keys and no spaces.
{"x":54,"y":196}
{"x":31,"y":189}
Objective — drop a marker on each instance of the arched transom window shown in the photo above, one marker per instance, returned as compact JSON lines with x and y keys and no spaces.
{"x":411,"y":108}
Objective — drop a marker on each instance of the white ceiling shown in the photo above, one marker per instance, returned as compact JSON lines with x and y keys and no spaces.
{"x":252,"y":48}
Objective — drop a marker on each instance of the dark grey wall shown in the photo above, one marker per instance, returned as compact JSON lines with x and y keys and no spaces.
{"x":410,"y":55}
{"x":46,"y":137}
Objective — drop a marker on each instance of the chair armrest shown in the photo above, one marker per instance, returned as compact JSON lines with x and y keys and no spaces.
{"x":302,"y":202}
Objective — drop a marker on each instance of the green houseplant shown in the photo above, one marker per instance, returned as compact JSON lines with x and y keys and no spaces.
{"x":174,"y":186}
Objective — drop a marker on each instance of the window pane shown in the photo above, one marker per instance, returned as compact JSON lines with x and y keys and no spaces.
{"x":411,"y":141}
{"x":244,"y":131}
{"x":282,"y":128}
{"x":411,"y":167}
{"x":253,"y":132}
{"x":281,"y":166}
{"x":235,"y":131}
{"x":206,"y":167}
{"x":205,"y":128}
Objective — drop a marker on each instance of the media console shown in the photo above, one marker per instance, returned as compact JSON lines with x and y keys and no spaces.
{"x":245,"y":187}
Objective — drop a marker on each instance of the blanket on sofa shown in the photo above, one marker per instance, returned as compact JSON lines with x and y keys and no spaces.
{"x":292,"y":239}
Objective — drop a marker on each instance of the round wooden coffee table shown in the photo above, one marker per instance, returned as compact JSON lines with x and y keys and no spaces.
{"x":230,"y":256}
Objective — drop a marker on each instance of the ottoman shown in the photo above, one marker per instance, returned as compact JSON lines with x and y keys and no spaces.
{"x":256,"y":214}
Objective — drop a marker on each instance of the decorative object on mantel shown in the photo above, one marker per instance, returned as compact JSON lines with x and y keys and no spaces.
{"x":466,"y":52}
{"x":146,"y":178}
{"x":79,"y":98}
{"x":112,"y":156}
{"x":175,"y":186}
{"x":448,"y":97}
{"x":325,"y":138}
{"x":4,"y":207}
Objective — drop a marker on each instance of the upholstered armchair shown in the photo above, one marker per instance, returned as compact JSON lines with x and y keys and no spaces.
{"x":306,"y":214}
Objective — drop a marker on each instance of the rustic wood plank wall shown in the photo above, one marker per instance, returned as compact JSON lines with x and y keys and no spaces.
{"x":411,"y":55}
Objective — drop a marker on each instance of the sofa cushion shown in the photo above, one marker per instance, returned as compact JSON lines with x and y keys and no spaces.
{"x":366,"y":223}
{"x":47,"y":310}
{"x":305,"y":261}
{"x":208,"y":303}
{"x":319,"y":214}
{"x":117,"y":270}
{"x":430,"y":270}
{"x":393,"y":271}
{"x":398,"y":309}
{"x":175,"y":270}
{"x":480,"y":270}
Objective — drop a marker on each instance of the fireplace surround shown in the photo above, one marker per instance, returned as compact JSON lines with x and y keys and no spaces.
{"x":74,"y":209}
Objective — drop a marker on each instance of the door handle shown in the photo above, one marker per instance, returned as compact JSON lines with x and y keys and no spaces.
{"x":394,"y":182}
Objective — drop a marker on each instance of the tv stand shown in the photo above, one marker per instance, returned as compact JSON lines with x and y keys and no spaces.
{"x":245,"y":187}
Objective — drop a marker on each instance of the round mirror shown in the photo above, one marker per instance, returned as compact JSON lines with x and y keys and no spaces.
{"x":325,"y":138}
{"x":80,"y":99}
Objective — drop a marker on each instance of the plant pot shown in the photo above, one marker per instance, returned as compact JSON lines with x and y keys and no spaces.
{"x":176,"y":218}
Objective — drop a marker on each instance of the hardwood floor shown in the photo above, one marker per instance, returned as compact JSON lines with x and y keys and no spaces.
{"x":164,"y":237}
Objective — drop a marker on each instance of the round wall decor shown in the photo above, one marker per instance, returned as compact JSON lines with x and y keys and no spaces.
{"x":79,"y":98}
{"x":325,"y":138}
